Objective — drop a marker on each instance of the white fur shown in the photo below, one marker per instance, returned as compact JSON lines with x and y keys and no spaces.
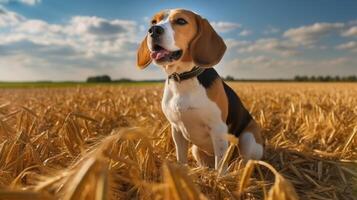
{"x":194,"y":118}
{"x":249,"y":148}
{"x":168,"y":40}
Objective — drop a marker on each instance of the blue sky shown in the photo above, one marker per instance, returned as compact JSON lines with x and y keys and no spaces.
{"x":70,"y":40}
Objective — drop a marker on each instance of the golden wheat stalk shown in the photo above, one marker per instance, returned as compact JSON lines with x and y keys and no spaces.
{"x":81,"y":143}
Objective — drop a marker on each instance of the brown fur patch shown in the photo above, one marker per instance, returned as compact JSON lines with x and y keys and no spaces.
{"x":217,"y":94}
{"x":207,"y":48}
{"x":159,"y":16}
{"x":184,"y":34}
{"x":143,"y":58}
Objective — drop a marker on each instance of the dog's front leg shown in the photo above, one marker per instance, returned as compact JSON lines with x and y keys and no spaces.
{"x":181,"y":145}
{"x":220,"y":144}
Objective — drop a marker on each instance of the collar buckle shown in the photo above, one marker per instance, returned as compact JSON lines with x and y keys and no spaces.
{"x":186,"y":75}
{"x":176,"y":77}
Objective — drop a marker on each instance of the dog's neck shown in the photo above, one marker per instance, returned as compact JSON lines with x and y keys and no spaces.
{"x":179,"y":68}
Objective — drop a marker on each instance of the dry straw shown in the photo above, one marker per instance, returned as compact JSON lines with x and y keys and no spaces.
{"x":83,"y":143}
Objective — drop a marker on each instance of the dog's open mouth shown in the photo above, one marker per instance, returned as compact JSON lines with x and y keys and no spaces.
{"x":161,"y":54}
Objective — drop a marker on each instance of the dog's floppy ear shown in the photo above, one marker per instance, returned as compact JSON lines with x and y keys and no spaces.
{"x":207,"y":48}
{"x":143,"y":55}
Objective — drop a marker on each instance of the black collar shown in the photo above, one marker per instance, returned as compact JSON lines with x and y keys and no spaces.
{"x":186,"y":75}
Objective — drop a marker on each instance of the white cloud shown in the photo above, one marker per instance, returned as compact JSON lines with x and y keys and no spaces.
{"x":8,"y":18}
{"x":309,"y":35}
{"x":233,"y":43}
{"x":37,"y":27}
{"x":82,"y":46}
{"x":266,"y":67}
{"x":352,"y":31}
{"x":27,"y":2}
{"x":99,"y":26}
{"x":340,"y":61}
{"x":265,"y":61}
{"x":253,"y":60}
{"x":245,"y":32}
{"x":271,"y":30}
{"x":85,"y":34}
{"x":352,"y":46}
{"x":224,"y":27}
{"x":30,"y":2}
{"x":270,"y":45}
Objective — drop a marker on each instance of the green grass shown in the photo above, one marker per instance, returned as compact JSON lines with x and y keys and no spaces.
{"x":70,"y":84}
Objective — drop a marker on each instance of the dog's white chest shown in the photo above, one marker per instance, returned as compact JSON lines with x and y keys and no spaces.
{"x":188,"y":108}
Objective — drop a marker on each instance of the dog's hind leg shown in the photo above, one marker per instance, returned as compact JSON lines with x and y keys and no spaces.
{"x":250,"y":142}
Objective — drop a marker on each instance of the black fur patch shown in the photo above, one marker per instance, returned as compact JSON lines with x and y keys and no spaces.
{"x":238,"y":117}
{"x":207,"y":77}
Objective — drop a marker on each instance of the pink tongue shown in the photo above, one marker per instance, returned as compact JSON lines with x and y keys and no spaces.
{"x":159,"y":54}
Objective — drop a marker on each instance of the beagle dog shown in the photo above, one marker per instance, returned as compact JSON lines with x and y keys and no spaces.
{"x":200,"y":107}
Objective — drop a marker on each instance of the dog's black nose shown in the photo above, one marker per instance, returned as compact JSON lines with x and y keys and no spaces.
{"x":156,"y":31}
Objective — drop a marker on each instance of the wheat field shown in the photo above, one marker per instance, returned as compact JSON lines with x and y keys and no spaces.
{"x":113,"y":142}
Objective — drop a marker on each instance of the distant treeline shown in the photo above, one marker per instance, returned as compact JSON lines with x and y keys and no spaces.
{"x":108,"y":79}
{"x":105,"y":79}
{"x":99,"y":79}
{"x":353,"y":78}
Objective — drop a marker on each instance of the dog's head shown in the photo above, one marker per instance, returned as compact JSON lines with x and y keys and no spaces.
{"x":180,"y":36}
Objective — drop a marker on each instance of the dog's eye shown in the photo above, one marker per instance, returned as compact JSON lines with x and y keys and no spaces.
{"x":180,"y":21}
{"x":153,"y":21}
